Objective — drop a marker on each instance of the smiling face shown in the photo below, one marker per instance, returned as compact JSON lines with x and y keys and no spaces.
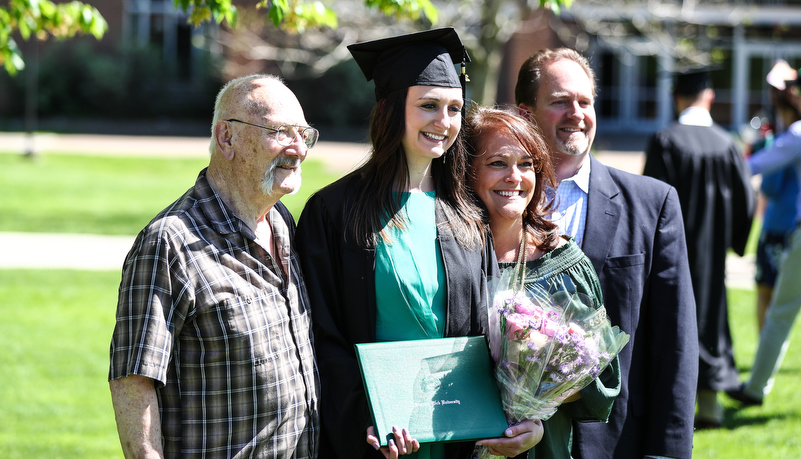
{"x":287,"y":171}
{"x":274,"y":167}
{"x":433,"y":120}
{"x":503,"y":176}
{"x":565,"y":110}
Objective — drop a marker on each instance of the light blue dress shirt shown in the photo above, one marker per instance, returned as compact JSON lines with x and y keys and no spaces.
{"x":571,"y":215}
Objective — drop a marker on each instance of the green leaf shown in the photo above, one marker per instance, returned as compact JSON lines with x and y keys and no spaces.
{"x":277,"y":11}
{"x":16,"y":60}
{"x":86,"y":15}
{"x":430,"y":11}
{"x":24,"y":30}
{"x":12,"y":58}
{"x":231,"y":16}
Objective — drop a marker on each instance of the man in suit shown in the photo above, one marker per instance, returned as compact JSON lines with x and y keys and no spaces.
{"x":631,"y":228}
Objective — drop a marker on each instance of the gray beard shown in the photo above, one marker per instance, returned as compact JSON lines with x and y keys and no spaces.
{"x":268,"y":181}
{"x":573,"y":148}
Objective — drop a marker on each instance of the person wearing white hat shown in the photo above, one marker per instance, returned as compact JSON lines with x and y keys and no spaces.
{"x":786,"y":300}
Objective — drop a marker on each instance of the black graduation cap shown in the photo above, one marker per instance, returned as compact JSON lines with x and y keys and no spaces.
{"x":422,"y":58}
{"x":690,"y":82}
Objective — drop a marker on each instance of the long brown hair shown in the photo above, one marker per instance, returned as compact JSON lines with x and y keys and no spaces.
{"x":386,"y":170}
{"x":483,"y":122}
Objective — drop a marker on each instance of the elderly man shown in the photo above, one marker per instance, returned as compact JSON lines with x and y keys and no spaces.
{"x":212,"y":353}
{"x":631,"y":228}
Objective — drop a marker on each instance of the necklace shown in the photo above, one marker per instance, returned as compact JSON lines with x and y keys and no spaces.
{"x":520,"y":267}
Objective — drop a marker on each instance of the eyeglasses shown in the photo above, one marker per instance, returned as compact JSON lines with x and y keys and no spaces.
{"x":286,"y":133}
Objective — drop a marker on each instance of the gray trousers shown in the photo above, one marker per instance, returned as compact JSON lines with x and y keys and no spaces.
{"x":784,"y":307}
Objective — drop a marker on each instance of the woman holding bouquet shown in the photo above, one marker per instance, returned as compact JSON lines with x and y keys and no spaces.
{"x":510,"y":171}
{"x":397,"y":250}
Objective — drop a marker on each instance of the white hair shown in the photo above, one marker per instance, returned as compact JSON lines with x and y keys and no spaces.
{"x":234,"y":86}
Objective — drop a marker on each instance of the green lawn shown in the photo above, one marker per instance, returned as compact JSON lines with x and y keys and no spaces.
{"x":55,"y":402}
{"x":766,"y":432}
{"x":106,"y":195}
{"x":56,"y":324}
{"x":54,"y":338}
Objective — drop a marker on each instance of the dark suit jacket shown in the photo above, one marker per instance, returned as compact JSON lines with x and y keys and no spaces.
{"x":340,"y":280}
{"x":635,"y":239}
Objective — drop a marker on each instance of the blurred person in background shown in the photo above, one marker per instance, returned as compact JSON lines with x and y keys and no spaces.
{"x":701,"y":161}
{"x":786,"y":300}
{"x":779,"y":190}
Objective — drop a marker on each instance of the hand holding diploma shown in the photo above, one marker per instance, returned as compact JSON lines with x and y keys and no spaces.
{"x":402,"y":444}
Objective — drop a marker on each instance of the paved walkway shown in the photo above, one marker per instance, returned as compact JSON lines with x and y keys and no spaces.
{"x":79,"y":251}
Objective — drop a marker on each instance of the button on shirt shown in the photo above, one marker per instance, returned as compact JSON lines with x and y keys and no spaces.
{"x":208,"y":314}
{"x":571,"y":216}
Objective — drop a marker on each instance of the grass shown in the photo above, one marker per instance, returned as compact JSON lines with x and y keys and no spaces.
{"x":766,"y":432}
{"x":106,"y":195}
{"x":54,"y":338}
{"x":55,"y":335}
{"x":56,"y":326}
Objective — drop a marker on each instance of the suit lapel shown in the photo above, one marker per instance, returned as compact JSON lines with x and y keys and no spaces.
{"x":603,"y":215}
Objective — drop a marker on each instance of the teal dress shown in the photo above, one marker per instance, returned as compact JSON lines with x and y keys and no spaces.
{"x":411,"y":285}
{"x":567,"y":268}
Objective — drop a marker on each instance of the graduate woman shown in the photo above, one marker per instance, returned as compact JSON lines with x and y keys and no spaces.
{"x":396,"y":250}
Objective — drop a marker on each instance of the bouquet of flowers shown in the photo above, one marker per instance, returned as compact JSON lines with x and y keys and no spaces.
{"x":547,"y":346}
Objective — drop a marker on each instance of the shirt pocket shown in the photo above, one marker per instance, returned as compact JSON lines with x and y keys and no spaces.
{"x":256,"y":328}
{"x":625,"y":261}
{"x":238,"y":331}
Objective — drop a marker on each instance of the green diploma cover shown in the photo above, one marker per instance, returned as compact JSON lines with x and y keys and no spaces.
{"x":439,"y":389}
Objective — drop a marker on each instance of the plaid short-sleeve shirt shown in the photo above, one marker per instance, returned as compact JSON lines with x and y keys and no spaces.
{"x":212,"y":318}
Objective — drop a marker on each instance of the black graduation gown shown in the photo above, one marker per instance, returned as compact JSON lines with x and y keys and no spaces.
{"x":340,"y":280}
{"x":717,"y":204}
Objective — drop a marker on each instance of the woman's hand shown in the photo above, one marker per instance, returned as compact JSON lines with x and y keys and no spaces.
{"x":402,"y":444}
{"x":572,"y":398}
{"x":519,"y":439}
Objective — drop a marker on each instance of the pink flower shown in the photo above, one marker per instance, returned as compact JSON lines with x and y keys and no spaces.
{"x":517,"y":326}
{"x":524,"y":306}
{"x":549,"y":327}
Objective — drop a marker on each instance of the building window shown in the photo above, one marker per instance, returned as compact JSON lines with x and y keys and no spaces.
{"x":608,"y":103}
{"x":159,"y":25}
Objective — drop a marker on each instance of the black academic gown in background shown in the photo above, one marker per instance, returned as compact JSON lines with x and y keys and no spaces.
{"x":717,"y":203}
